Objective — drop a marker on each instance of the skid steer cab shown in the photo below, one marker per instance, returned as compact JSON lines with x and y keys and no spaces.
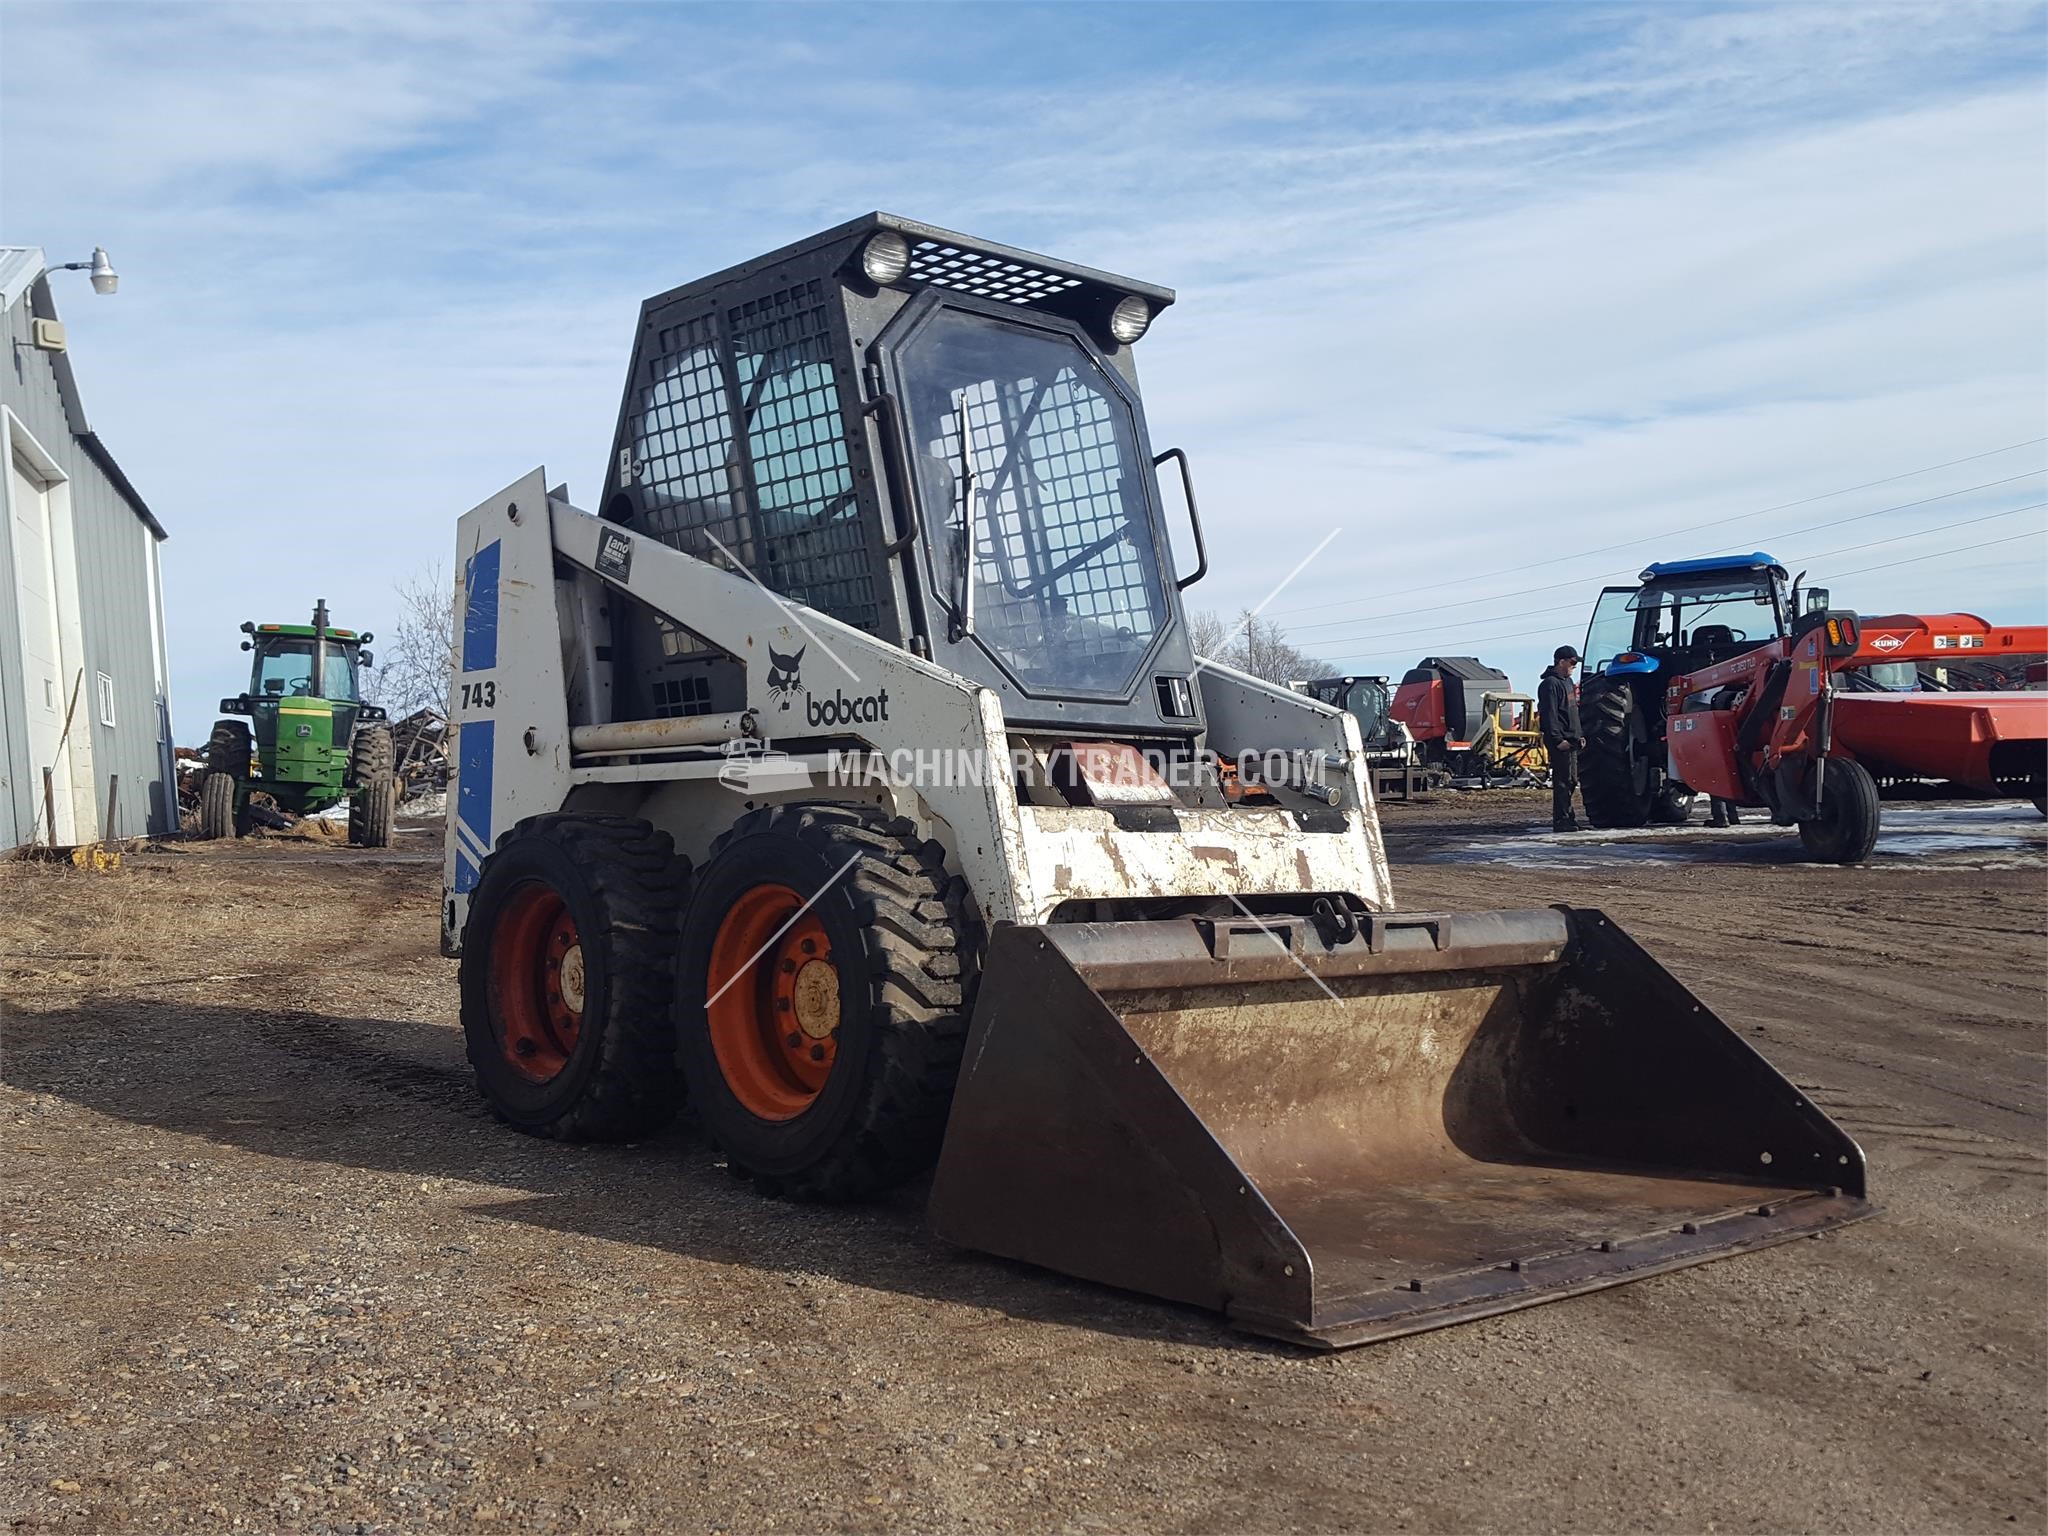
{"x":848,"y":772}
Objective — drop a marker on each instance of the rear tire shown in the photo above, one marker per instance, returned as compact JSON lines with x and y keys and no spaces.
{"x":1614,"y":770}
{"x":1846,"y":829}
{"x":217,"y":807}
{"x":821,"y":1046}
{"x":229,"y":749}
{"x":375,"y":801}
{"x":567,"y":977}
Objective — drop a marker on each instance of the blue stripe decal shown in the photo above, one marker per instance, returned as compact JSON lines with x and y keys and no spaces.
{"x":479,"y":740}
{"x":480,"y":609}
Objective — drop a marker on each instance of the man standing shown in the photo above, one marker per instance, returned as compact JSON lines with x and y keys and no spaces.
{"x":1557,"y":702}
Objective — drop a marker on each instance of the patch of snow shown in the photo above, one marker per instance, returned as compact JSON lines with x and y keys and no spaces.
{"x":1968,"y":836}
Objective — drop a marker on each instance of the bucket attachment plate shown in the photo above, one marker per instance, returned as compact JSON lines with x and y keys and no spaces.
{"x":1339,"y":1139}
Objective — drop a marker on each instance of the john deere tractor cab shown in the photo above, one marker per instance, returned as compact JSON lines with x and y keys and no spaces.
{"x":1684,"y":615}
{"x":307,"y":740}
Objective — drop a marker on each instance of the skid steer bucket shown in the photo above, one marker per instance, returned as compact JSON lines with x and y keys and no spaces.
{"x":1339,"y":1139}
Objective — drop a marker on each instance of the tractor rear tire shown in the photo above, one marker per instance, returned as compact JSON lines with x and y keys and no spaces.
{"x":826,"y":975}
{"x":1846,"y":829}
{"x":375,"y":801}
{"x":217,"y":807}
{"x":567,"y":978}
{"x":1614,"y":771}
{"x":229,"y":749}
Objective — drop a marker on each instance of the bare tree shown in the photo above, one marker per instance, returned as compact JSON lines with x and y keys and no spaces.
{"x":1253,"y":644}
{"x":418,"y":653}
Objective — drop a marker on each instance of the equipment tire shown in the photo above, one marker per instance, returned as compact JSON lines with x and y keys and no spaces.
{"x":1674,"y":805}
{"x":1846,"y":829}
{"x":607,"y":889}
{"x":1615,"y":780}
{"x":229,"y":749}
{"x":217,"y":807}
{"x":827,"y":1072}
{"x":375,"y":801}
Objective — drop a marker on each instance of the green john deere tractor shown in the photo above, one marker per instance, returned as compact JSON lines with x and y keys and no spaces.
{"x":309,"y":742}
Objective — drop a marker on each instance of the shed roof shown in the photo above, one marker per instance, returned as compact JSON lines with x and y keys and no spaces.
{"x":24,"y":273}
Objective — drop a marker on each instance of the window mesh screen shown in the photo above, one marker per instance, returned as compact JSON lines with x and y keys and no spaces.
{"x":1064,"y":588}
{"x":688,"y":695}
{"x":806,"y":539}
{"x":812,"y":546}
{"x":988,"y":277}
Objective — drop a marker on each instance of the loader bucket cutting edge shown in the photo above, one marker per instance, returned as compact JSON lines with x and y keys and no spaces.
{"x":1437,"y":1119}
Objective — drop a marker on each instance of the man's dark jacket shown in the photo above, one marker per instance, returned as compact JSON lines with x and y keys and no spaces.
{"x":1558,"y":703}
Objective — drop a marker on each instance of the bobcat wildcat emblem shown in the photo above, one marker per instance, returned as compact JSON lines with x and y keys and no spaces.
{"x":784,"y":677}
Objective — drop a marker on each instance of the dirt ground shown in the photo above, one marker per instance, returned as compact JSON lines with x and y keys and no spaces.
{"x":265,"y":1263}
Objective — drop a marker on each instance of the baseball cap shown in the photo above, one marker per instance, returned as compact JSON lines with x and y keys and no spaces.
{"x":1564,"y":653}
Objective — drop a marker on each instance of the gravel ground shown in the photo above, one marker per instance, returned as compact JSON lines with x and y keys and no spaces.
{"x":266,"y":1265}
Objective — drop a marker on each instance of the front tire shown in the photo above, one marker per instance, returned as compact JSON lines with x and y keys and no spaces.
{"x":375,"y":801}
{"x":567,"y":977}
{"x":1673,"y":805}
{"x":1614,"y":770}
{"x":827,"y":968}
{"x":217,"y":807}
{"x":1846,"y":829}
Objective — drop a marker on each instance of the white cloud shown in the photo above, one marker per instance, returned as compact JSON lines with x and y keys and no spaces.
{"x":1479,"y":286}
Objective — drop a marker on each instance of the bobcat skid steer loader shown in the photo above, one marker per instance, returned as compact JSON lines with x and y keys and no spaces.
{"x":848,"y":772}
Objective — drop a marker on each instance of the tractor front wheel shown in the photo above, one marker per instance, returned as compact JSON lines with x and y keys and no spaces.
{"x":1614,"y":771}
{"x":1846,"y":829}
{"x":217,"y":807}
{"x":567,"y":977}
{"x":374,"y":801}
{"x":826,"y":971}
{"x":229,"y":751}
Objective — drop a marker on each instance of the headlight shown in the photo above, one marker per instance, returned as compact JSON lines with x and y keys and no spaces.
{"x":1128,"y":320}
{"x":886,"y":257}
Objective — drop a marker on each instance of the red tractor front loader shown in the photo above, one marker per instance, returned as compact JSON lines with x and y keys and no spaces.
{"x":1759,"y":729}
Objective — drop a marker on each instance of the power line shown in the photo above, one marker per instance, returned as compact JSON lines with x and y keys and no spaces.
{"x":1555,"y":586}
{"x":2031,"y":533}
{"x":1926,"y":469}
{"x":1826,"y":554}
{"x":1521,"y":634}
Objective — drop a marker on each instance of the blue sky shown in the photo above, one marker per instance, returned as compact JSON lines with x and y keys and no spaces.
{"x":1481,"y":285}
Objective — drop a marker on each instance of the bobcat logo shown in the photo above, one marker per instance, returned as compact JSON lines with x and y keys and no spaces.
{"x":785,"y":680}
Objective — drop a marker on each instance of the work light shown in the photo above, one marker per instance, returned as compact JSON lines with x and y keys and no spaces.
{"x":1128,"y":320}
{"x":886,"y":257}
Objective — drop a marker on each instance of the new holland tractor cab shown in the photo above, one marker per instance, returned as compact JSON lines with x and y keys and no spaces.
{"x":886,"y":499}
{"x":306,"y":738}
{"x":1684,"y":615}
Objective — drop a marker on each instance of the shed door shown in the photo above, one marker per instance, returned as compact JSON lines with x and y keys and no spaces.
{"x":43,"y":686}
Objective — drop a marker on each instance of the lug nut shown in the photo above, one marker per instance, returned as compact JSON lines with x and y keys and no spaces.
{"x":817,"y":1053}
{"x":793,"y":1040}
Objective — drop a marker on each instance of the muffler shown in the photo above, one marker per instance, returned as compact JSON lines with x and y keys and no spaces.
{"x":1339,"y":1136}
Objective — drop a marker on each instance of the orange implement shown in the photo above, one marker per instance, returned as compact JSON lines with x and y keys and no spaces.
{"x":1985,"y":742}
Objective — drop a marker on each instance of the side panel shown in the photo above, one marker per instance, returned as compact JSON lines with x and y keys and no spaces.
{"x":1702,"y":748}
{"x":506,"y":699}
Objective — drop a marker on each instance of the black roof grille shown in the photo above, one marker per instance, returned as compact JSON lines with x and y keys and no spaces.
{"x":987,"y":277}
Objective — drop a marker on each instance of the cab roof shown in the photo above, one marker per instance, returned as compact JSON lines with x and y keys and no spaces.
{"x":1713,"y":565}
{"x":303,"y":631}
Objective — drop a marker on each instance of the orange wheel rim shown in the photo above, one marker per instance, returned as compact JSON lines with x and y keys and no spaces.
{"x":774,"y":1004}
{"x":536,"y":982}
